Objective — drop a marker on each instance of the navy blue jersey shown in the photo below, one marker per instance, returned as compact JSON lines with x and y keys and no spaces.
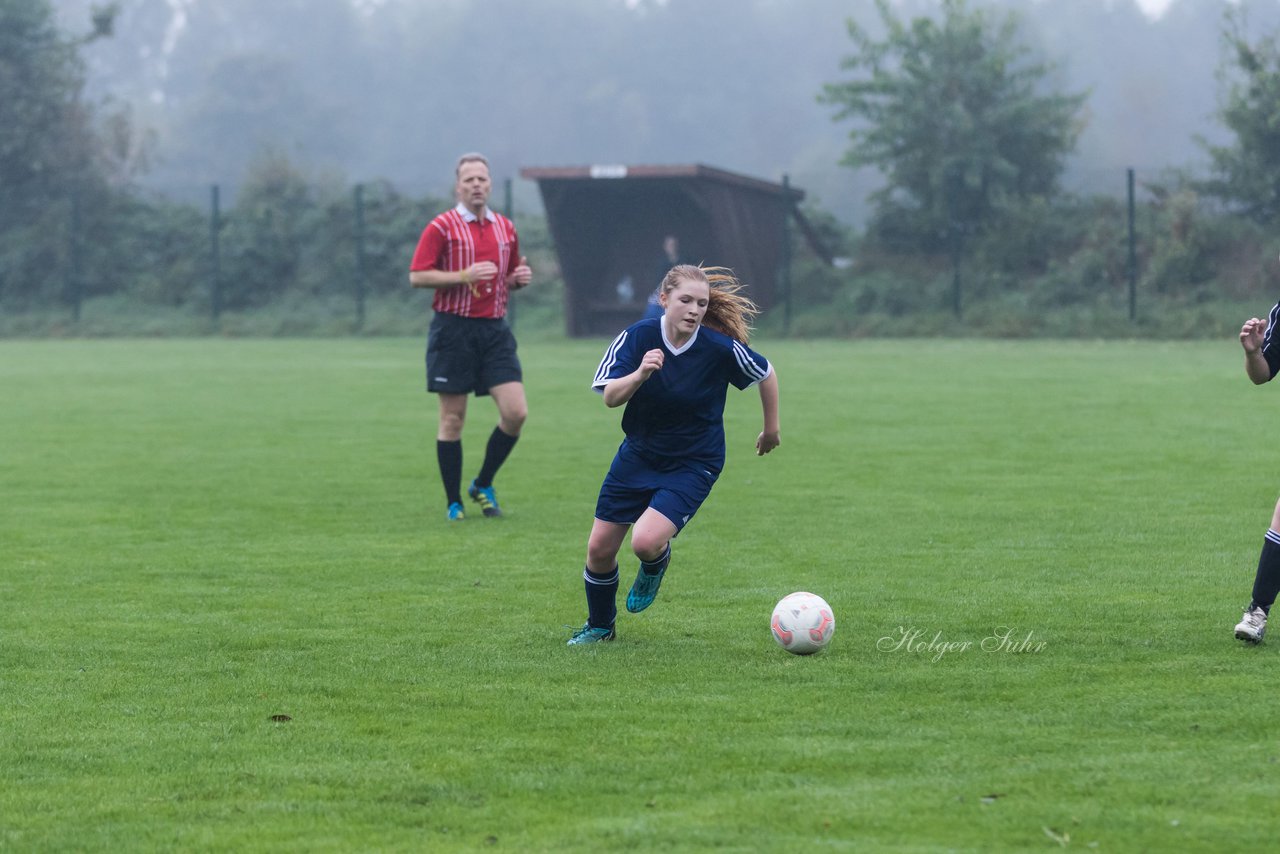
{"x":679,"y":411}
{"x":1271,"y":344}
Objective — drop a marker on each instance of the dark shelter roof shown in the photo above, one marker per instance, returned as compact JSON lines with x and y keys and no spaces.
{"x":608,"y":224}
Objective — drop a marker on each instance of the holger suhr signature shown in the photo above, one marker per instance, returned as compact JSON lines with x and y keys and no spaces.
{"x":936,"y":646}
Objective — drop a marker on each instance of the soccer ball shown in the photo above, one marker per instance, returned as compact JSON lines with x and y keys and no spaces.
{"x":803,"y":623}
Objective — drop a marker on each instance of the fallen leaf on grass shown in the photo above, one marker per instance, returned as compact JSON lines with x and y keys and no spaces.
{"x":1063,"y":839}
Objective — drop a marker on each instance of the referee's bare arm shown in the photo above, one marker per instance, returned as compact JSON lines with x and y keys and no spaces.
{"x":478,"y":272}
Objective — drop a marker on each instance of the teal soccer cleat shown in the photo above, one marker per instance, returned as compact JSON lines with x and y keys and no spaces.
{"x":645,"y":588}
{"x":456,"y":513}
{"x":590,"y":634}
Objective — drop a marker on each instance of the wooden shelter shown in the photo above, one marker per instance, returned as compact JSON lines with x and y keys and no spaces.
{"x":608,"y":224}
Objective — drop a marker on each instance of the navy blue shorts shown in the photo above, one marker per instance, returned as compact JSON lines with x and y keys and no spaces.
{"x":466,"y":354}
{"x":635,"y":482}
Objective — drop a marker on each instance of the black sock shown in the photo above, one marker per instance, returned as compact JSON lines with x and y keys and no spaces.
{"x":602,"y":598}
{"x":1266,"y":584}
{"x":658,"y":565}
{"x":495,"y":454}
{"x":450,"y":456}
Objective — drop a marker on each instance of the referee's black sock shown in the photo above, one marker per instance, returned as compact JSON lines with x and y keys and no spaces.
{"x":602,"y":598}
{"x":450,"y":456}
{"x":1266,"y":584}
{"x":495,"y":454}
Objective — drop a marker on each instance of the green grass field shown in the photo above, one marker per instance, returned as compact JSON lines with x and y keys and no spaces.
{"x":199,"y":535}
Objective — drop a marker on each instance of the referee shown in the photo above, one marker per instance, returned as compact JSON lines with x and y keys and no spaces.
{"x":471,"y":257}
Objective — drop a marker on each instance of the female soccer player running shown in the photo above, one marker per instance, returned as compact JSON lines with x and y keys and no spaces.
{"x":672,"y":372}
{"x":1261,"y":364}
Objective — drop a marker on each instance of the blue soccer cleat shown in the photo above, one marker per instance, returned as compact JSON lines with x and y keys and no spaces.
{"x":591,"y":634}
{"x":456,"y":513}
{"x":486,"y":498}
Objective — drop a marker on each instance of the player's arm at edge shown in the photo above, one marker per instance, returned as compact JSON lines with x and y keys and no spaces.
{"x":771,"y":436}
{"x":1256,"y":365}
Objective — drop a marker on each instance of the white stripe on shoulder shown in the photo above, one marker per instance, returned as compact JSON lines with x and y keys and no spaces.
{"x":610,"y":359}
{"x":747,"y":364}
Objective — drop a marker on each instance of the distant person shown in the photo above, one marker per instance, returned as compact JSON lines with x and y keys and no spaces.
{"x":1261,"y":363}
{"x":669,"y":258}
{"x":471,"y":256}
{"x":673,"y":374}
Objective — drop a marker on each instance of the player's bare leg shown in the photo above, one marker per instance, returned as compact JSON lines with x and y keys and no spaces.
{"x":603,"y":546}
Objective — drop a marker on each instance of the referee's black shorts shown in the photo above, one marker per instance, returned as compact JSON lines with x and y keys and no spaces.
{"x":470,"y":354}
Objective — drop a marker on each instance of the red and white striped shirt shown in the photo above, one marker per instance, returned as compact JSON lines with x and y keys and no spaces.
{"x":455,"y":240}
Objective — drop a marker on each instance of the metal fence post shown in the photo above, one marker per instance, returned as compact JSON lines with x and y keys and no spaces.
{"x":361,"y":286}
{"x":73,"y":284}
{"x":509,"y":209}
{"x":957,"y":258}
{"x":215,"y":254}
{"x":1133,"y":256}
{"x":784,"y":265}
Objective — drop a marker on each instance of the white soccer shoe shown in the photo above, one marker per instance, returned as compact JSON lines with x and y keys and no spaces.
{"x":1252,"y":626}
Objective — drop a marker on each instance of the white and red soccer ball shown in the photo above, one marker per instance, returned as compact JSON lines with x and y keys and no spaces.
{"x":802,"y":623}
